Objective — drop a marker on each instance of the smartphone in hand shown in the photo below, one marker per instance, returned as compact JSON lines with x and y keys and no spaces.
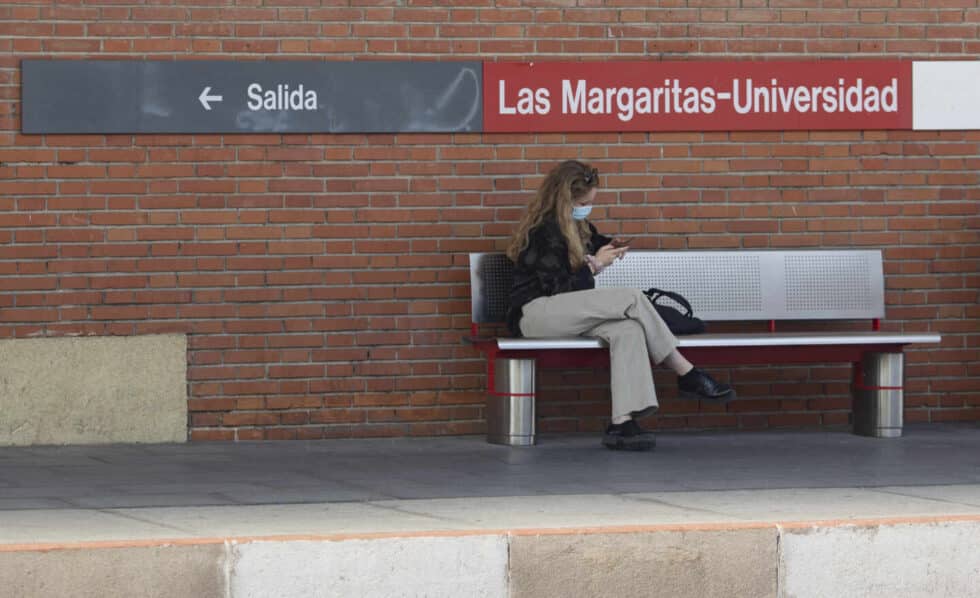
{"x":621,"y":241}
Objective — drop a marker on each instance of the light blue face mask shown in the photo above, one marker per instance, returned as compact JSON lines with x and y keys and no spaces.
{"x":581,"y":212}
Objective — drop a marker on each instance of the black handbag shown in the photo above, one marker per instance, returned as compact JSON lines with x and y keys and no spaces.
{"x":679,"y":322}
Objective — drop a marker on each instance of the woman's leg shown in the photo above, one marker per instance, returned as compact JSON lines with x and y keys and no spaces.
{"x":605,"y":314}
{"x":631,"y":377}
{"x":678,"y":363}
{"x":576,"y":313}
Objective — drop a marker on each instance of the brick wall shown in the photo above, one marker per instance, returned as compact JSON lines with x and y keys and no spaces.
{"x":322,"y":279}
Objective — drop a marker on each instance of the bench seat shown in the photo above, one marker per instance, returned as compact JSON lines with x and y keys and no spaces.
{"x":760,"y":339}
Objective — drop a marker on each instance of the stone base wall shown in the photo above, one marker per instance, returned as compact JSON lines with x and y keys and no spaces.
{"x":92,"y":390}
{"x":906,"y":558}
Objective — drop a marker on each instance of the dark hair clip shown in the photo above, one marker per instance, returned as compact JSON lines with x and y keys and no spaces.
{"x":592,"y":176}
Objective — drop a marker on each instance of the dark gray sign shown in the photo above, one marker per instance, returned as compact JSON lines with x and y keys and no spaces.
{"x":94,"y":96}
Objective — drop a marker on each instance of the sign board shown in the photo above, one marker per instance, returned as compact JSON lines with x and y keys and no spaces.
{"x":95,"y":96}
{"x":86,"y":96}
{"x":698,"y":96}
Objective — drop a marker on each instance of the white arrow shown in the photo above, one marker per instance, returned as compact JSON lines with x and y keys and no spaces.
{"x":204,"y":98}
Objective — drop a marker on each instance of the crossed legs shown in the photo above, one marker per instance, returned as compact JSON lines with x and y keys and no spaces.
{"x":625,"y":319}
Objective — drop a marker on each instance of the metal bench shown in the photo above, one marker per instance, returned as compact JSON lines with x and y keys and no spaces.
{"x":765,"y":286}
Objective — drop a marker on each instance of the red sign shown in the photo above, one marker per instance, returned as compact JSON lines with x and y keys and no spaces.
{"x":696,"y":96}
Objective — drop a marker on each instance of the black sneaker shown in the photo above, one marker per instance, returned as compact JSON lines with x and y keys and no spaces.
{"x":628,"y":436}
{"x":697,"y":384}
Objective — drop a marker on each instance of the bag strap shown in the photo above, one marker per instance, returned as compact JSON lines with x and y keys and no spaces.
{"x":655,"y":293}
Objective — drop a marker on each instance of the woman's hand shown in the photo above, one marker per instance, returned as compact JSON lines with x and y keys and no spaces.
{"x":608,"y":254}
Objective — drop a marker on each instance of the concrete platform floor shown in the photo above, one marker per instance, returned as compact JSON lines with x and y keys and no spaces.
{"x":379,"y":486}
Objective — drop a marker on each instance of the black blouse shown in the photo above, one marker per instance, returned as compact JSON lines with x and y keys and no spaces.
{"x":543,"y":269}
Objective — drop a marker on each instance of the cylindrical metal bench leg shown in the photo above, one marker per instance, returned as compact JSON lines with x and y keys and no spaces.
{"x":510,"y":406}
{"x":879,"y":396}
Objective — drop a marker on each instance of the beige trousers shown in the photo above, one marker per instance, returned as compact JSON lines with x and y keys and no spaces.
{"x":625,"y":319}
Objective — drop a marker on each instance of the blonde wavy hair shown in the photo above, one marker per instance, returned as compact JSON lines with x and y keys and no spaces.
{"x":567,"y":183}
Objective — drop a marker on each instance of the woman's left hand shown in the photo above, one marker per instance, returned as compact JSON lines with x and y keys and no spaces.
{"x":607,"y":254}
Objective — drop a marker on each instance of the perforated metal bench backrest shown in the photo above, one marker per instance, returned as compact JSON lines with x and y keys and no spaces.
{"x":723,"y":285}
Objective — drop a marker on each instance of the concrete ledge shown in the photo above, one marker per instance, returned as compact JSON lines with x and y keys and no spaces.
{"x":920,"y":556}
{"x":680,"y":564}
{"x":151,"y":570}
{"x":398,"y":566}
{"x":92,"y":390}
{"x":905,"y":559}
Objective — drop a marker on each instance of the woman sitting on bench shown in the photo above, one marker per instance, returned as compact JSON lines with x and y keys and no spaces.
{"x":557,"y":253}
